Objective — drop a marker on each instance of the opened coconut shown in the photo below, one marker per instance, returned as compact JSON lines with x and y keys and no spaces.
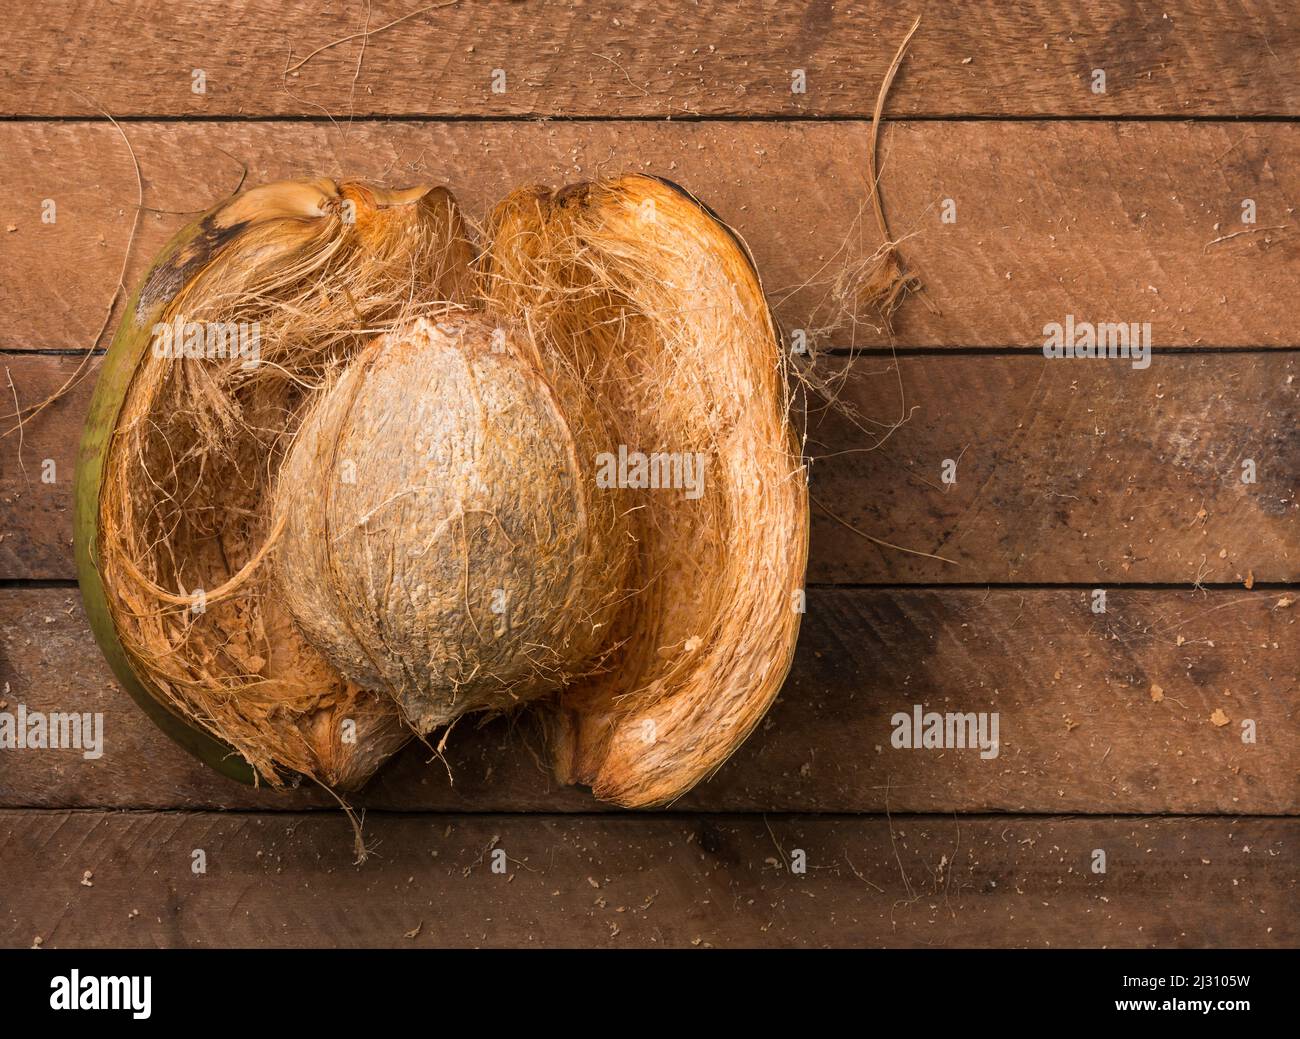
{"x":347,"y":478}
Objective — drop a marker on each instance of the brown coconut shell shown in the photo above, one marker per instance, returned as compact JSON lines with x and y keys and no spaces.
{"x":444,"y":540}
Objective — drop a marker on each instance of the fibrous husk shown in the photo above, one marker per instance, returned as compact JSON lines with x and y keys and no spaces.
{"x":657,"y":303}
{"x":395,"y":516}
{"x":318,"y":268}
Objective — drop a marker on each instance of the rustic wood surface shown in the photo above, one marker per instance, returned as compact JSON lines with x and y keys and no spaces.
{"x":1196,"y":57}
{"x":1066,"y":471}
{"x":1119,"y":731}
{"x":1079,"y":730}
{"x":126,"y":879}
{"x":1108,"y":221}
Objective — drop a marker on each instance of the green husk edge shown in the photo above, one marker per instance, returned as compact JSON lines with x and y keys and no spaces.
{"x":124,"y":355}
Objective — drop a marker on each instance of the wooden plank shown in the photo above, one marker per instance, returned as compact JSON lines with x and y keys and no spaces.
{"x":37,"y":463}
{"x":1067,"y":470}
{"x":1108,"y":222}
{"x":1079,"y":730}
{"x":646,"y":59}
{"x":627,"y":881}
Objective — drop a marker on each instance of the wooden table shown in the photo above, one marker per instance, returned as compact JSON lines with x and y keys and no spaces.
{"x":1121,"y":732}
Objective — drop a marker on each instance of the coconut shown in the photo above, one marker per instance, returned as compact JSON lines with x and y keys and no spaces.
{"x":444,"y":540}
{"x":562,"y":474}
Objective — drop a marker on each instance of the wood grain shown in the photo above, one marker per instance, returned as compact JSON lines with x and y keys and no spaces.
{"x":1066,"y":470}
{"x":1109,"y":222}
{"x":624,"y":881}
{"x":1069,"y":474}
{"x":1079,"y":730}
{"x":647,"y":59}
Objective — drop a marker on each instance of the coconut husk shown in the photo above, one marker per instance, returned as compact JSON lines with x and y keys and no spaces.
{"x":657,"y":303}
{"x":395,"y":517}
{"x":182,"y":517}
